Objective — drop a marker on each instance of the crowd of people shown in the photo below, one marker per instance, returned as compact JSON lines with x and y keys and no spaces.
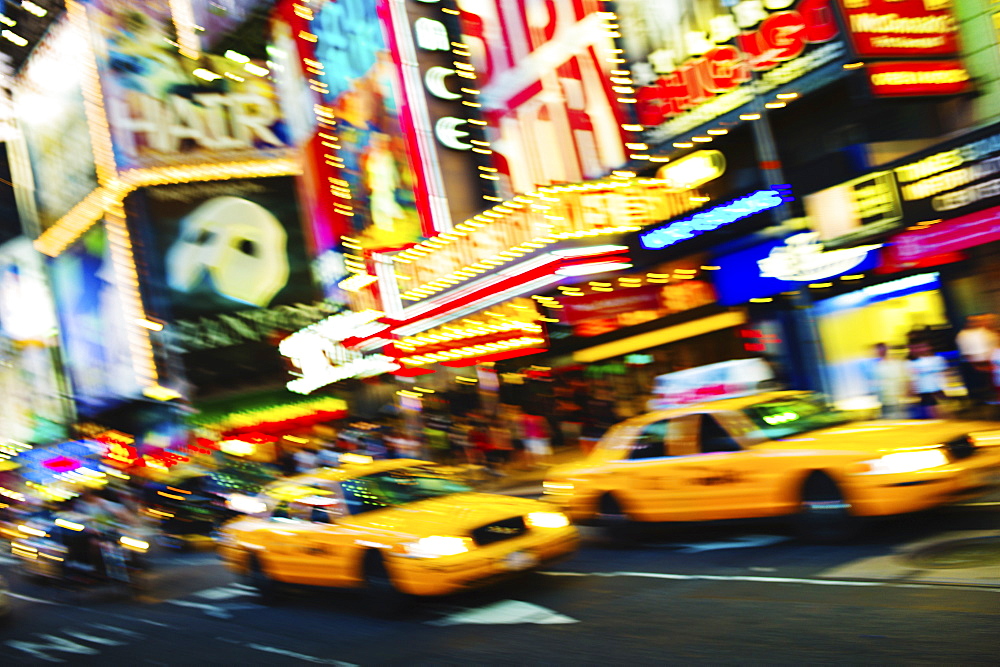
{"x":914,"y":382}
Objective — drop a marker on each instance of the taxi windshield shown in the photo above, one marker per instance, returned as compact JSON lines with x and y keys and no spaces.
{"x":788,"y":417}
{"x":392,"y":488}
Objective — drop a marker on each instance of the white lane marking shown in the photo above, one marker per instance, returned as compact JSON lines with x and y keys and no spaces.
{"x":53,"y":643}
{"x":741,"y":542}
{"x":93,"y":639}
{"x":223,"y":593}
{"x":290,"y":654}
{"x":127,"y":633}
{"x":505,"y":612}
{"x":28,"y":598}
{"x":770,"y":580}
{"x":210,"y":610}
{"x":243,"y":587}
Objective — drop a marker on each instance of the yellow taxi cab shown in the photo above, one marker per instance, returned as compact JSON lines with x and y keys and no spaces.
{"x":773,"y":454}
{"x":396,"y":528}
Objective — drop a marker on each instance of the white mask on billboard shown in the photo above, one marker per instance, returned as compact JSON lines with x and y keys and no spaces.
{"x":240,"y":244}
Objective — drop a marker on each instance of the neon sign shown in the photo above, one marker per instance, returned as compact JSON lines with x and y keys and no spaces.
{"x":714,"y":218}
{"x":682,"y":72}
{"x":933,"y":77}
{"x":548,"y":215}
{"x":901,"y":27}
{"x":802,"y":259}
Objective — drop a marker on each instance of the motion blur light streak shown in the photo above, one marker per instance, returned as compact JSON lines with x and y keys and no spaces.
{"x":714,"y":218}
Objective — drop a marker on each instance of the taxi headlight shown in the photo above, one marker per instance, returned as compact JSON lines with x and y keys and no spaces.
{"x":547,"y":520}
{"x":133,"y":543}
{"x":900,"y":462}
{"x":436,"y":546}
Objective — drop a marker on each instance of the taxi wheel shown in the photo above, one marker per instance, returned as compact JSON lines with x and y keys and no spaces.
{"x":381,"y":597}
{"x":612,"y":518}
{"x":824,"y":514}
{"x":266,"y":587}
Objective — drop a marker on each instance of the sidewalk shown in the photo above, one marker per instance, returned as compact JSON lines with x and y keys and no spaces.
{"x":521,"y":482}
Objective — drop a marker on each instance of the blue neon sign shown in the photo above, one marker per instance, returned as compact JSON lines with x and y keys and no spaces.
{"x":714,"y":218}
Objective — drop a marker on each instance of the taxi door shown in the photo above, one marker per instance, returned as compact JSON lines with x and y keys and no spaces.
{"x":645,"y":479}
{"x":301,"y":544}
{"x":722,"y":477}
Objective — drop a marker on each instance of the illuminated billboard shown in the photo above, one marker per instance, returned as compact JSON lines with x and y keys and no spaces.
{"x":544,"y":76}
{"x":690,"y":59}
{"x":92,"y":323}
{"x":29,"y":379}
{"x":228,"y":274}
{"x":165,"y":109}
{"x":227,"y":246}
{"x":901,"y":27}
{"x":49,"y":106}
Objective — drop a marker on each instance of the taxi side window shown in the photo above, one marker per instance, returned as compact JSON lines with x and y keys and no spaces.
{"x":713,"y":438}
{"x":650,"y":443}
{"x":280,"y":510}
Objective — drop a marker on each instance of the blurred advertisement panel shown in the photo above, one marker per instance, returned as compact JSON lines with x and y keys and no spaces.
{"x":546,"y":89}
{"x":227,"y":245}
{"x":49,"y":107}
{"x":690,"y":59}
{"x":229,"y":272}
{"x":217,"y":17}
{"x":92,"y":322}
{"x":362,"y":92}
{"x":166,"y":109}
{"x":33,"y":408}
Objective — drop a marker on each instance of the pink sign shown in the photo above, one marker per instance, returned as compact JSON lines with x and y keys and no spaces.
{"x":956,"y":234}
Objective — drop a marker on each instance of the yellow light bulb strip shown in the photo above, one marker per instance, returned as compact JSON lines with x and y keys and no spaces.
{"x":636,"y":212}
{"x":187,"y":34}
{"x":92,"y":208}
{"x":127,"y":280}
{"x":93,"y":100}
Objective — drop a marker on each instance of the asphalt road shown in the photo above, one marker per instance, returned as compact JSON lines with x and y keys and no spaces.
{"x":709,"y":595}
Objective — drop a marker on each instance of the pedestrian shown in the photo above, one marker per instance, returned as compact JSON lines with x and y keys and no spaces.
{"x":976,"y":344}
{"x":458,"y":435}
{"x":502,"y":439}
{"x":927,"y":378}
{"x":599,"y":416}
{"x":305,"y":459}
{"x":889,"y":378}
{"x":436,"y":427}
{"x":537,"y":438}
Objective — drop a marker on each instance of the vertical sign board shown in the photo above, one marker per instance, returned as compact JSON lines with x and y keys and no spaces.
{"x":908,"y":46}
{"x":49,"y":106}
{"x":546,"y":90}
{"x":312,"y":130}
{"x":165,"y":109}
{"x":92,"y":323}
{"x":230,"y":259}
{"x":690,"y":59}
{"x":441,"y":108}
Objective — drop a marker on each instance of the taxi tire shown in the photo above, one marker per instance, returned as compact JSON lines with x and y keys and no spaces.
{"x":824,"y":514}
{"x":381,"y":597}
{"x":266,"y":587}
{"x":614,"y":521}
